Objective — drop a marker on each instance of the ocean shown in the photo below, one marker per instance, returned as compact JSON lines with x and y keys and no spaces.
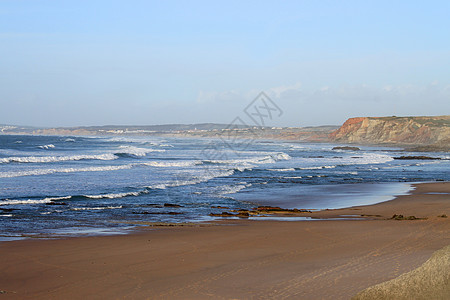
{"x":56,"y":186}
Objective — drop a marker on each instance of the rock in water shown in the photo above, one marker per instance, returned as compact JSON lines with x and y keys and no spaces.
{"x":346,"y":148}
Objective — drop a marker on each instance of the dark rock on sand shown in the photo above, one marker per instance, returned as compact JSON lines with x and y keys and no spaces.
{"x":242,"y":213}
{"x":401,"y":217}
{"x":222,"y":214}
{"x":270,"y":209}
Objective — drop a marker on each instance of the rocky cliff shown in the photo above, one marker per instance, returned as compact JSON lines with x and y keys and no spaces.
{"x":395,"y":130}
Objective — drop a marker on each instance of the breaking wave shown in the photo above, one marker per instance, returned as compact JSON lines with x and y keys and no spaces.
{"x":96,"y":208}
{"x":254,"y":160}
{"x":49,"y":146}
{"x":232,"y":189}
{"x":32,"y":201}
{"x":116,"y":195}
{"x":135,"y":151}
{"x":282,"y":170}
{"x":193,"y":181}
{"x":63,"y":170}
{"x":188,"y":163}
{"x":47,"y":159}
{"x":35,"y":172}
{"x":317,"y":168}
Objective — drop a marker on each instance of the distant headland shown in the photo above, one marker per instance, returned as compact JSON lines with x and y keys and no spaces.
{"x":420,"y":133}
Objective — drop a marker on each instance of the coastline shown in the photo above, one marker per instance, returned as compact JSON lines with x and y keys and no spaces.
{"x":328,"y":259}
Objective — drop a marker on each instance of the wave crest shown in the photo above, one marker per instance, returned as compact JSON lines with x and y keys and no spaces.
{"x":47,"y":159}
{"x":33,"y":201}
{"x":188,"y":163}
{"x":46,"y":147}
{"x":63,"y":170}
{"x":135,"y":151}
{"x":116,"y":195}
{"x":96,"y":208}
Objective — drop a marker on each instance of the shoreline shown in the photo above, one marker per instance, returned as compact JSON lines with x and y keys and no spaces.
{"x":332,"y":196}
{"x":329,"y":259}
{"x":348,"y":194}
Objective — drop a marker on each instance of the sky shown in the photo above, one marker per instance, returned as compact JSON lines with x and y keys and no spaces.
{"x":73,"y":63}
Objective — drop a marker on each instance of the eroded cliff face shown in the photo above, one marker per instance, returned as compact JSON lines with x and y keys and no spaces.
{"x":394,"y":130}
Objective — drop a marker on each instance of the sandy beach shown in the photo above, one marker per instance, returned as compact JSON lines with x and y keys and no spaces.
{"x":237,"y":259}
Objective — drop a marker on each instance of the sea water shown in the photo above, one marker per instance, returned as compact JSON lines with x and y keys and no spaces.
{"x":70,"y":185}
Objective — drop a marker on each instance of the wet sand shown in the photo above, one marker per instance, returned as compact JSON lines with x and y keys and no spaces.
{"x":237,"y":259}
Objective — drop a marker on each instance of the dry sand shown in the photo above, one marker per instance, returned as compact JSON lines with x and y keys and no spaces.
{"x":241,"y":259}
{"x":430,"y":281}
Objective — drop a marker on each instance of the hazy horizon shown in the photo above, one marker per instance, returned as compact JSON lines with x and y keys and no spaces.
{"x":147,"y":63}
{"x":201,"y":123}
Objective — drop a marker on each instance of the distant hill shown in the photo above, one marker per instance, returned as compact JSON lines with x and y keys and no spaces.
{"x":203,"y":130}
{"x":417,"y":131}
{"x":112,"y":129}
{"x":414,"y":133}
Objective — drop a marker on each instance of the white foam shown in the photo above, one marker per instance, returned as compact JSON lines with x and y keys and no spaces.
{"x":95,"y":169}
{"x":173,"y":163}
{"x":282,"y":170}
{"x":244,"y":168}
{"x":117,"y":195}
{"x":136,"y":151}
{"x":33,"y":201}
{"x":282,"y":156}
{"x":362,"y":159}
{"x":47,"y":159}
{"x":317,"y":168}
{"x":232,"y":189}
{"x":96,"y":208}
{"x":49,"y":146}
{"x":294,"y":177}
{"x":374,"y":158}
{"x":139,"y":140}
{"x":63,"y":170}
{"x":268,"y":159}
{"x":193,"y":181}
{"x":15,"y":202}
{"x":59,"y":198}
{"x":293,"y":146}
{"x":365,"y":159}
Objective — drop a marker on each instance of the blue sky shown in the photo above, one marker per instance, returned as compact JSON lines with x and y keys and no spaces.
{"x":65,"y":63}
